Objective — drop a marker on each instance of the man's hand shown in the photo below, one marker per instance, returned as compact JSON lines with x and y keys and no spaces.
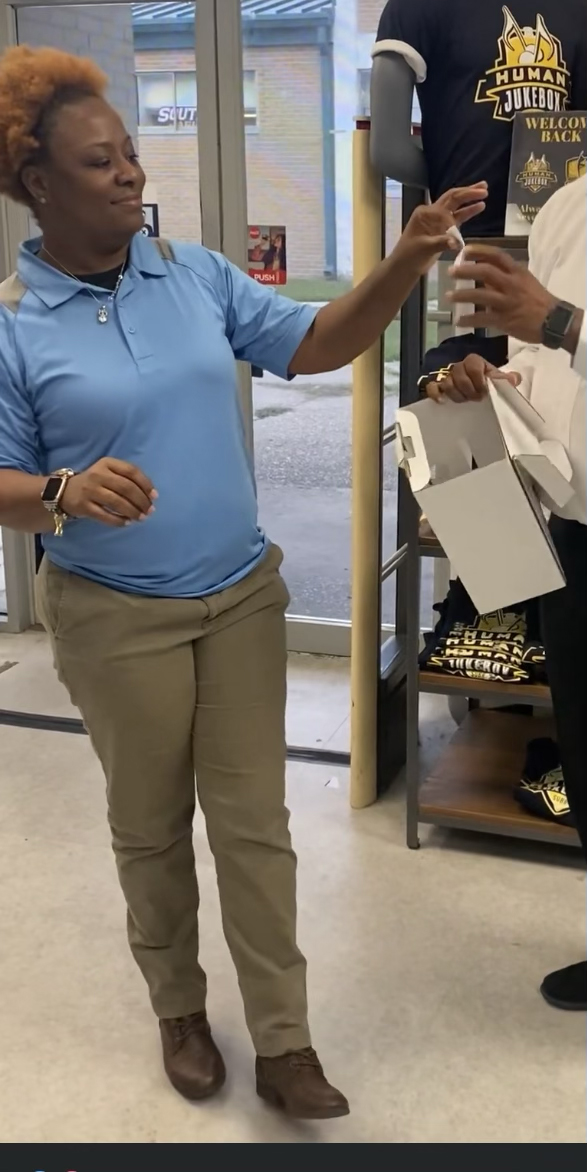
{"x":111,"y":491}
{"x":467,"y":381}
{"x":427,"y":234}
{"x":509,"y":298}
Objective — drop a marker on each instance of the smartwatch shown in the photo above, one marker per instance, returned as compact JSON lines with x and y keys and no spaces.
{"x":52,"y":495}
{"x":557,"y":325}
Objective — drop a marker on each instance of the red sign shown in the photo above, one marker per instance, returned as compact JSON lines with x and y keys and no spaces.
{"x":267,"y":254}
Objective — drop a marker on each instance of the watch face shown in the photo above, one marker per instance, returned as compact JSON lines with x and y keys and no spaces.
{"x":557,"y":324}
{"x":51,"y":490}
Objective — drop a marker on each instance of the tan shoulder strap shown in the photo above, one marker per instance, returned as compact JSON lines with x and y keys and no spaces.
{"x":12,"y":292}
{"x":164,"y":248}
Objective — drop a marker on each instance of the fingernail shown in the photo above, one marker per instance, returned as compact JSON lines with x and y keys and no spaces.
{"x":154,"y":495}
{"x":151,"y":510}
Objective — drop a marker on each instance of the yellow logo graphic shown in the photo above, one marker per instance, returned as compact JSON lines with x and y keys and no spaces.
{"x":530,"y":72}
{"x":537,"y":175}
{"x":576,"y":168}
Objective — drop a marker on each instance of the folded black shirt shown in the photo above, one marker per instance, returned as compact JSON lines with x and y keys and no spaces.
{"x":541,"y":789}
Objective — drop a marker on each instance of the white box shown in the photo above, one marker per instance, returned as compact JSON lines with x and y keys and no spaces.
{"x":489,"y":518}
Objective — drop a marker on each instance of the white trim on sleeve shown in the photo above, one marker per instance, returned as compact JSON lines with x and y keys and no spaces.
{"x":411,"y":55}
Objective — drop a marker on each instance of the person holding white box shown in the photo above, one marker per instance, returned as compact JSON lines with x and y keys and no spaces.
{"x":543,"y":310}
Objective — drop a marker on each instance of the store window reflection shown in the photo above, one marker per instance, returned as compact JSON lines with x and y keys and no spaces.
{"x":167,"y":101}
{"x":312,"y":59}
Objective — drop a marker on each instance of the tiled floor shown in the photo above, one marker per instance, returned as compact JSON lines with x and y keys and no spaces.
{"x":423,"y":971}
{"x":318,"y":688}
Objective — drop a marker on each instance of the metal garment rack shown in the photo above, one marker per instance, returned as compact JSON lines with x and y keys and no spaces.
{"x":470,"y":786}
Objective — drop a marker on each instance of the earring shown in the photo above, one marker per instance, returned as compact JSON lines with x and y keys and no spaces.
{"x":42,"y":199}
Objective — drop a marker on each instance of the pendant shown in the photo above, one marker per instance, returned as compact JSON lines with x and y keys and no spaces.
{"x":102,"y":315}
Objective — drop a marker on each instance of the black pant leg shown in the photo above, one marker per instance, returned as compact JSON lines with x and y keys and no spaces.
{"x":564,"y":626}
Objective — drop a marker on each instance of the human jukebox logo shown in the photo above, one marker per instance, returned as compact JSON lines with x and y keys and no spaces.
{"x":530,"y":72}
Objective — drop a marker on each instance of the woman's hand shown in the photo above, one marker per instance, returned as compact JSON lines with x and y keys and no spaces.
{"x":467,"y":381}
{"x":348,"y":326}
{"x":111,"y":491}
{"x":427,"y":235}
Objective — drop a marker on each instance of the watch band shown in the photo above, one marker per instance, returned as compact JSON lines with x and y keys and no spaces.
{"x":53,"y":504}
{"x":557,"y":325}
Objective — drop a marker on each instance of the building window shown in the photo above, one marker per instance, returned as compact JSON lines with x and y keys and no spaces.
{"x":168,"y":101}
{"x":364,"y":104}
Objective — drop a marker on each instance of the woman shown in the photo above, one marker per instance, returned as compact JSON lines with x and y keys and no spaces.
{"x":274,"y":258}
{"x":121,"y":441}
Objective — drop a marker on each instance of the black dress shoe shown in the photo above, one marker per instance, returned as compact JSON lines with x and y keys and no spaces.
{"x":567,"y":988}
{"x":193,"y":1063}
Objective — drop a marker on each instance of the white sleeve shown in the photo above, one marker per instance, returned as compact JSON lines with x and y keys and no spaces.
{"x":412,"y":57}
{"x":522,"y":357}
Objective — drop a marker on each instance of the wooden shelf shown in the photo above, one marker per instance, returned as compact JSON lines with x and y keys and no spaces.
{"x":536,"y":694}
{"x":471,"y":784}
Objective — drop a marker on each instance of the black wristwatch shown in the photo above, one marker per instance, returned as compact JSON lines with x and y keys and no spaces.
{"x":557,"y":325}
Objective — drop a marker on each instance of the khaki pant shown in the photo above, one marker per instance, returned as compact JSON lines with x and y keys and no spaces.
{"x":172,"y":687}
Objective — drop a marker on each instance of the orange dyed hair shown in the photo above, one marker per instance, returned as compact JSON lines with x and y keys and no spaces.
{"x":33,"y":84}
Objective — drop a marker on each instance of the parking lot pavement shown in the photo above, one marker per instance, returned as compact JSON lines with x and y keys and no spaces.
{"x":303,"y":470}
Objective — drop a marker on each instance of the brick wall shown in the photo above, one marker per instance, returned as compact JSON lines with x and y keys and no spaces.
{"x":368,"y":14}
{"x":103,"y":32}
{"x":284,"y":154}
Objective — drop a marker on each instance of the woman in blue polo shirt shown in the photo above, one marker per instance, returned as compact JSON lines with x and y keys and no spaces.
{"x":121,"y":441}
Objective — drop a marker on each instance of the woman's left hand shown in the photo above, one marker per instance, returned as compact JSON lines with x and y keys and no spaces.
{"x":427,"y":234}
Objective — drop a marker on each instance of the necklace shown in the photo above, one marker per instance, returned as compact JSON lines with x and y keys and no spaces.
{"x":103,"y":306}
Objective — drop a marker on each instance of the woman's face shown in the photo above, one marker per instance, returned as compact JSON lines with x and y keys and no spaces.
{"x":92,"y":180}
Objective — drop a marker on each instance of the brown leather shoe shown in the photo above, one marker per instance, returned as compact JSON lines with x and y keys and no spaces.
{"x":295,"y":1083}
{"x":193,"y":1063}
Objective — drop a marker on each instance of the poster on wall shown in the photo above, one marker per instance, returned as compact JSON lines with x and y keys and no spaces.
{"x":150,"y":219}
{"x":267,"y":254}
{"x":548,"y":151}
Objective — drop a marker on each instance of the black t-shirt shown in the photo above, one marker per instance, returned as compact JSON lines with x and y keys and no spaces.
{"x":107,"y":280}
{"x":483,"y":62}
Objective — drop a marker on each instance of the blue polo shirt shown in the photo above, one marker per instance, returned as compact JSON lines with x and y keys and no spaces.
{"x":157,"y":386}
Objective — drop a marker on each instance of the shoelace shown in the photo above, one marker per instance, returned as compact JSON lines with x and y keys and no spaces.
{"x":184,"y":1026}
{"x":301,"y":1058}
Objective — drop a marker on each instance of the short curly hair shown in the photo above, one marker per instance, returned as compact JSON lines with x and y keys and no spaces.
{"x":34,"y":84}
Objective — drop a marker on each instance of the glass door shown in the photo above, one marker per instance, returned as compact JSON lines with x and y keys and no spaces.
{"x":307,"y":67}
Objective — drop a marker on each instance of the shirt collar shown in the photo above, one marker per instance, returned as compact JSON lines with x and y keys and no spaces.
{"x":54,"y":287}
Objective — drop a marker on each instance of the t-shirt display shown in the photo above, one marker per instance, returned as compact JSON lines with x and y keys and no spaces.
{"x":503,"y":647}
{"x":541,"y":789}
{"x":477,"y":66}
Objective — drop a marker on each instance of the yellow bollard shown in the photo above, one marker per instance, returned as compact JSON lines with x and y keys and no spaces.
{"x":368,"y":250}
